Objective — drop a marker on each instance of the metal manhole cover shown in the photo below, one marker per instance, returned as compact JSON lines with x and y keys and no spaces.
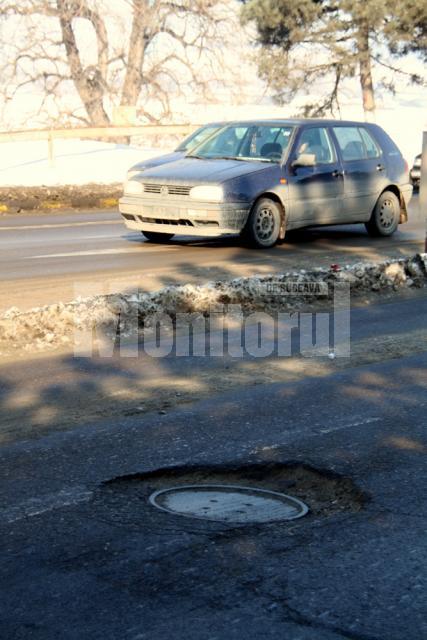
{"x":228,"y":503}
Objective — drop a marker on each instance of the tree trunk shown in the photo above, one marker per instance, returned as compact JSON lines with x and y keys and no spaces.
{"x":365,"y":73}
{"x":95,"y":109}
{"x":89,"y":86}
{"x":137,"y":44}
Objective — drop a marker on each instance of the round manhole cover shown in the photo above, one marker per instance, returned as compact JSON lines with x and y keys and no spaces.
{"x":228,"y":503}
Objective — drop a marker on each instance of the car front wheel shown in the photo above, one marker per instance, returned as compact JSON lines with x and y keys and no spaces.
{"x":385,"y":217}
{"x":263,"y":226}
{"x":155,"y":236}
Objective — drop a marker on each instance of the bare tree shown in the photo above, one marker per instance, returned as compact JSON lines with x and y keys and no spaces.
{"x":129,"y":53}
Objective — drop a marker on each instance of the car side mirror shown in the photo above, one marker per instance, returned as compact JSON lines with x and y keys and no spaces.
{"x":304,"y":160}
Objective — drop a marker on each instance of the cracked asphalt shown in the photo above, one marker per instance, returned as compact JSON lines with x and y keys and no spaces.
{"x":81,"y":559}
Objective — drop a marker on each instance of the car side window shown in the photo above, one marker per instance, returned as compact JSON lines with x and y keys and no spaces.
{"x":351,"y":143}
{"x":372,"y":149}
{"x":265,"y":142}
{"x":316,"y":141}
{"x":262,"y":136}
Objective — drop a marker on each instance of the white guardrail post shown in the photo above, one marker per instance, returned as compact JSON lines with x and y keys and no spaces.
{"x":50,"y":148}
{"x":423,"y":185}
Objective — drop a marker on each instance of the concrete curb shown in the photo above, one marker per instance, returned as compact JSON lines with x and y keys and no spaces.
{"x":56,"y":198}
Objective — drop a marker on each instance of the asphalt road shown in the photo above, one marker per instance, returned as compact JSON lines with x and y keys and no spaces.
{"x":84,"y":555}
{"x":46,"y":258}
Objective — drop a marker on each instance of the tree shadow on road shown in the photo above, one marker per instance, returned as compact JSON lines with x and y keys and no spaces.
{"x":62,"y":392}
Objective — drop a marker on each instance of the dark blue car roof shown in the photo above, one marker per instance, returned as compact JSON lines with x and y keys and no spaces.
{"x":298,"y":122}
{"x":381,"y":136}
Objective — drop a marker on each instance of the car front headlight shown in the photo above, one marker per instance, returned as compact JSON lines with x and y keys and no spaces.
{"x":132,"y":173}
{"x":207,"y":193}
{"x":132,"y":187}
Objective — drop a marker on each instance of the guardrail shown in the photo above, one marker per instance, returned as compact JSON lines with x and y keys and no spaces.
{"x":79,"y":133}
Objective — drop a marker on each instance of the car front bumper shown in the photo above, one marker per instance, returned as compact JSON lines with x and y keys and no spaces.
{"x":188,"y":218}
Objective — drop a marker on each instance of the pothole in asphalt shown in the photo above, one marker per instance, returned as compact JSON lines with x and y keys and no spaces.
{"x":275,"y":492}
{"x":228,"y":503}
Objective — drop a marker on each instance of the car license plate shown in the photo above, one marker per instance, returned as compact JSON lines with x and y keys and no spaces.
{"x":161,"y":212}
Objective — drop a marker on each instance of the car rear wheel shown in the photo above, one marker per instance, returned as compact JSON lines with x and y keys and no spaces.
{"x":385,"y":217}
{"x":155,"y":236}
{"x":263,"y":226}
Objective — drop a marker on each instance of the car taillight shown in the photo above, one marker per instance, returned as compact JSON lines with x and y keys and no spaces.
{"x":406,"y":165}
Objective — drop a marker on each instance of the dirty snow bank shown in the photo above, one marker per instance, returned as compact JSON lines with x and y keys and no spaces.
{"x":59,"y":324}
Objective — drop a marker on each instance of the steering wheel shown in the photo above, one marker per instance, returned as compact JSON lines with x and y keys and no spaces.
{"x":274,"y":155}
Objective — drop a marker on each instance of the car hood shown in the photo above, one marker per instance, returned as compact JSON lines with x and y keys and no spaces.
{"x":195,"y":171}
{"x":158,"y":160}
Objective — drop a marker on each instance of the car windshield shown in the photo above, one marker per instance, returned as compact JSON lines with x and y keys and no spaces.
{"x":257,"y":142}
{"x":198,"y":136}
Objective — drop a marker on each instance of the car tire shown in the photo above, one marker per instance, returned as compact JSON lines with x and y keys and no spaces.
{"x":155,"y":236}
{"x":262,"y":228}
{"x":385,"y":216}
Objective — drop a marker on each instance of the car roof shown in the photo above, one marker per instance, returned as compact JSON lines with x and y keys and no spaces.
{"x":297,"y":121}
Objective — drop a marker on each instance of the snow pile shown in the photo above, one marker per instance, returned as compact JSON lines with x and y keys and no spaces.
{"x":59,"y":324}
{"x":74,"y":162}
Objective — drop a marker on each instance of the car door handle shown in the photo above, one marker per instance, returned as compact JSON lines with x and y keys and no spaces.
{"x":380,"y":167}
{"x":337,"y":173}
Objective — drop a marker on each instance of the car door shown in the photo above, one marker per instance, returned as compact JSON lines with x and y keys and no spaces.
{"x":364,"y":171}
{"x":315,"y":192}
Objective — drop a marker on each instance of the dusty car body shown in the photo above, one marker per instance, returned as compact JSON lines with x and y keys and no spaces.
{"x":261,"y":178}
{"x":191,"y":141}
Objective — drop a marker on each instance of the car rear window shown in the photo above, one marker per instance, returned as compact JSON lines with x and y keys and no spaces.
{"x":357,"y":143}
{"x":388,"y":146}
{"x":372,"y":149}
{"x":351,"y":143}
